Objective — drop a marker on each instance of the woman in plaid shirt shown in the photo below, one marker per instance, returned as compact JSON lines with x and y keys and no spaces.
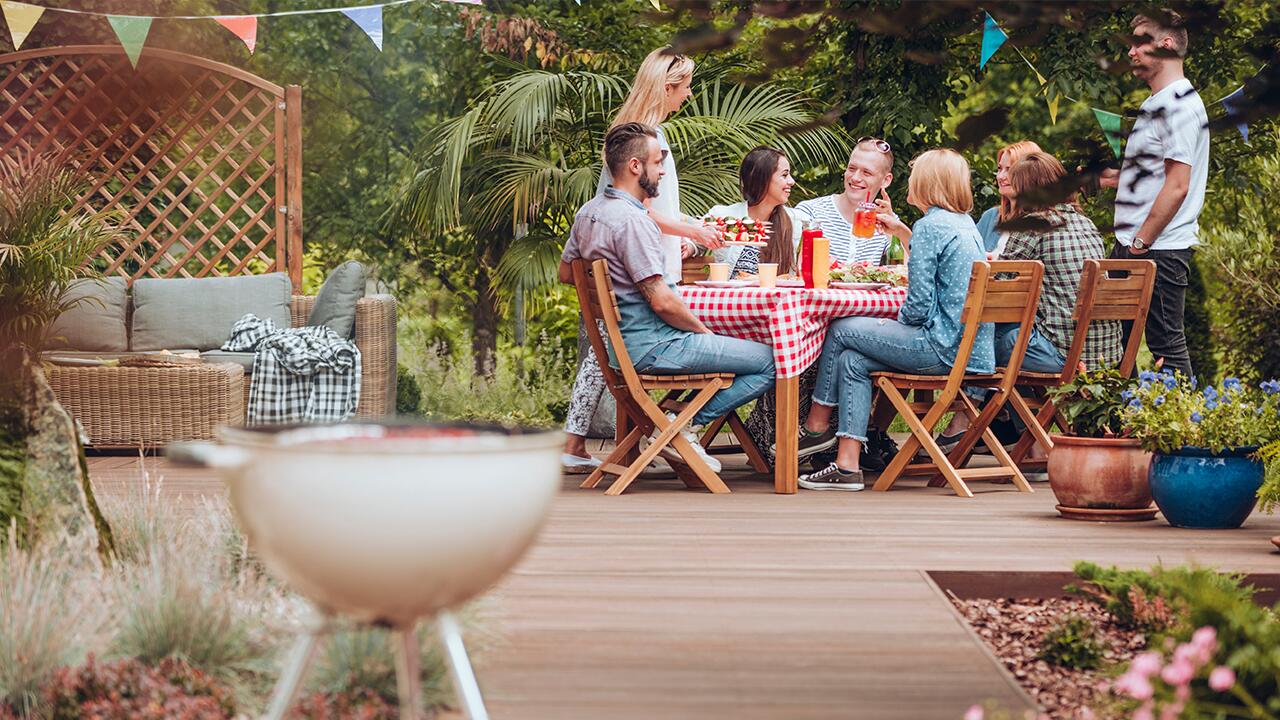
{"x":1047,"y":227}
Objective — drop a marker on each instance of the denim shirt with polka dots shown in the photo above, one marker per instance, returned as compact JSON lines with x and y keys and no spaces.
{"x":944,"y":246}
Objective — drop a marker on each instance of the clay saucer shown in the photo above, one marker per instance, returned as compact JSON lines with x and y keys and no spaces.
{"x":1109,"y":514}
{"x":1275,"y":540}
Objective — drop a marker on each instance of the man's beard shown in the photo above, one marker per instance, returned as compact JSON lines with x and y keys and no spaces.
{"x":650,"y":187}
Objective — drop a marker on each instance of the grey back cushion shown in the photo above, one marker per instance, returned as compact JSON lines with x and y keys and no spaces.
{"x":198,"y":313}
{"x":96,"y":323}
{"x":335,"y":305}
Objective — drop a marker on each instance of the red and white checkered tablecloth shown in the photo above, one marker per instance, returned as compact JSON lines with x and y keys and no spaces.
{"x":793,"y":320}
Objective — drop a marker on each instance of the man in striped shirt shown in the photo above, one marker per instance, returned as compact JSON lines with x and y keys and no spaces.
{"x":868,"y":174}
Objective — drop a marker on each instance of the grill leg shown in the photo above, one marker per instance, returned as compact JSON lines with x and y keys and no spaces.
{"x":295,"y":670}
{"x":408,"y":671}
{"x":464,"y":678}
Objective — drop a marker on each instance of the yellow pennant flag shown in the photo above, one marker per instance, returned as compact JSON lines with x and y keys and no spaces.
{"x":1053,"y":108}
{"x":1040,"y":79}
{"x":655,"y":5}
{"x":20,"y":17}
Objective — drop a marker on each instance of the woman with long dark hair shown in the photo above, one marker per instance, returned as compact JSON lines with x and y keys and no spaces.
{"x":764,"y":178}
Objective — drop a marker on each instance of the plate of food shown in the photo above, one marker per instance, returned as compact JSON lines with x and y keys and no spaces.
{"x":865,"y":273}
{"x":790,"y":283}
{"x":727,"y":283}
{"x":743,"y":232}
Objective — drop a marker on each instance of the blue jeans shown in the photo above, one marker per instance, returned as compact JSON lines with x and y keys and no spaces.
{"x":1042,"y":355}
{"x":751,"y":362}
{"x":855,"y":348}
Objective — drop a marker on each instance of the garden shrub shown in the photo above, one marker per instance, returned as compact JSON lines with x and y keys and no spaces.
{"x":359,"y":704}
{"x":358,"y":661}
{"x":132,"y":690}
{"x":408,"y":392}
{"x":1072,"y":642}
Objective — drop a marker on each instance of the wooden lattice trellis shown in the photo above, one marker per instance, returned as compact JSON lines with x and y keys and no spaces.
{"x":202,"y":160}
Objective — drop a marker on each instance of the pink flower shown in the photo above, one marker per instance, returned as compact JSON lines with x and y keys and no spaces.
{"x":1222,"y":678}
{"x":1135,"y":686}
{"x":1206,"y":638}
{"x":1171,"y":712}
{"x":975,"y":712}
{"x":1146,"y":664}
{"x":1178,"y":672}
{"x":1144,"y":713}
{"x":1085,"y":714}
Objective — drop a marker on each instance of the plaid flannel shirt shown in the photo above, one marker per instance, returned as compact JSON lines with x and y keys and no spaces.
{"x":1070,"y":240}
{"x":300,"y":375}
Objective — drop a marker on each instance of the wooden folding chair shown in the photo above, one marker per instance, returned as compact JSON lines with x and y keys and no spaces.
{"x":1109,"y":290}
{"x":999,"y":292}
{"x":631,"y":390}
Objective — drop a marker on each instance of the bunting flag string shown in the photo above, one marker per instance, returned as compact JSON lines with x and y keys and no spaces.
{"x":244,"y":27}
{"x":20,"y":17}
{"x":993,"y":38}
{"x":132,"y":32}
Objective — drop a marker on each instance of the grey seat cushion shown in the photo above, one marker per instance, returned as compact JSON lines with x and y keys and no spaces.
{"x":243,"y":359}
{"x":199,"y":313}
{"x":97,"y":322}
{"x":335,"y":305}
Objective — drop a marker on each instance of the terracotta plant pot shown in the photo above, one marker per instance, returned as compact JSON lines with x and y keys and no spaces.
{"x":1100,"y":478}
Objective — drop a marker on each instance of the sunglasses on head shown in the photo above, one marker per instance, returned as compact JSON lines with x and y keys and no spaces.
{"x":881,"y":145}
{"x":675,"y":59}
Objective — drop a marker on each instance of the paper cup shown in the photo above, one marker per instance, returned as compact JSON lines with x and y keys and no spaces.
{"x":719,"y":272}
{"x":768,"y":274}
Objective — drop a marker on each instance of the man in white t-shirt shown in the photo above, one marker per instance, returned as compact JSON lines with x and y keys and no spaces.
{"x":1160,"y":185}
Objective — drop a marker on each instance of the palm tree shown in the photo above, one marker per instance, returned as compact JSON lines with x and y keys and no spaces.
{"x":513,"y":170}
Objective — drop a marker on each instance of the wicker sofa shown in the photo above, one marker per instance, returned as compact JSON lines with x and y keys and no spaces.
{"x":131,"y":407}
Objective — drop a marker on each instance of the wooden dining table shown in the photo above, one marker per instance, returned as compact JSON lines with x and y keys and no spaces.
{"x":792,"y":321}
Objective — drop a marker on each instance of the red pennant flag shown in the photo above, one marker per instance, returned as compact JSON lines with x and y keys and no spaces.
{"x":245,"y":28}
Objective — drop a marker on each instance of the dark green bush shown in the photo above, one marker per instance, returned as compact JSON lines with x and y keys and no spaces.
{"x":408,"y":392}
{"x":1072,"y":642}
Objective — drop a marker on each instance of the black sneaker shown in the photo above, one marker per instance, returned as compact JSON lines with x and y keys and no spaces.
{"x":832,"y":478}
{"x":810,"y":443}
{"x":1005,"y":431}
{"x":879,"y":452}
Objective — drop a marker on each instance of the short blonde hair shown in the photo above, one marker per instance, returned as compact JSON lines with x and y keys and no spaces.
{"x":940,"y":178}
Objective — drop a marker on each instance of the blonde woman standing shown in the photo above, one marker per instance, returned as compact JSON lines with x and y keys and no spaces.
{"x":660,"y":88}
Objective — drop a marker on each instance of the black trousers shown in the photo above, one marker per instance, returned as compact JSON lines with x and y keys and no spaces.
{"x":1166,"y":336}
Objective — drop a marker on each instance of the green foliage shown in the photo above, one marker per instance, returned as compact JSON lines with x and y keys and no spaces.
{"x":1092,"y":403}
{"x":1168,"y":412}
{"x":1241,"y":248}
{"x":360,"y":659}
{"x":42,"y":250}
{"x":1269,"y":493}
{"x":1198,"y":325}
{"x":1130,"y":595}
{"x":1072,"y":642}
{"x":1248,"y":634}
{"x":13,"y":459}
{"x":408,"y":392}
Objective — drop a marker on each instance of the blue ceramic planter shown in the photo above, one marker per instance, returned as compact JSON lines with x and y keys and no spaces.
{"x":1195,"y":488}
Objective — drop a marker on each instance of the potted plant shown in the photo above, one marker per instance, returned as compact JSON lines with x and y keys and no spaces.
{"x":1095,"y":471}
{"x":1206,"y":471}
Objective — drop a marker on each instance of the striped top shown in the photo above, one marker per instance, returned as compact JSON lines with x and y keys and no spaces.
{"x":844,"y":246}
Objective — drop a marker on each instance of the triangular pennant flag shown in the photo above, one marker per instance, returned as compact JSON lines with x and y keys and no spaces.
{"x":655,"y":5}
{"x":132,"y":31}
{"x":245,"y":28}
{"x":992,"y":38}
{"x":20,"y":17}
{"x":1040,"y":78}
{"x":1053,"y":108}
{"x":1230,"y":103}
{"x":1110,"y":123}
{"x":370,"y":21}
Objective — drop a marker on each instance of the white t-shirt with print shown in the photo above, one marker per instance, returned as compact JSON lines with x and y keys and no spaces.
{"x":667,"y":203}
{"x":1172,"y":125}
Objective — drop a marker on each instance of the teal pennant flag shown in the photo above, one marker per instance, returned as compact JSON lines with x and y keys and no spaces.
{"x":132,"y":32}
{"x":1110,"y":123}
{"x":992,"y":38}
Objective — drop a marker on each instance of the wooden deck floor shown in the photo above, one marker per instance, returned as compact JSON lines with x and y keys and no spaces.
{"x":669,"y":603}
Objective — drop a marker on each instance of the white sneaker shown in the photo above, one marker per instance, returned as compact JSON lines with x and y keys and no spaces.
{"x":575,"y":465}
{"x":690,"y":433}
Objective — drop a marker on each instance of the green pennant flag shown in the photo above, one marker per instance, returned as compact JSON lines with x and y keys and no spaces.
{"x":1110,"y":123}
{"x":132,"y":32}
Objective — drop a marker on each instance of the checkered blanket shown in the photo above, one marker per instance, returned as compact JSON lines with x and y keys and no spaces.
{"x":792,"y":321}
{"x":300,"y":375}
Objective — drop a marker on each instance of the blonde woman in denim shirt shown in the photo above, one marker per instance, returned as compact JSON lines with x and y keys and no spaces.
{"x":923,"y":340}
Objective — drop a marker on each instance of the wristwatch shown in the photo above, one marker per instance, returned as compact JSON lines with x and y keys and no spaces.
{"x":1139,"y":244}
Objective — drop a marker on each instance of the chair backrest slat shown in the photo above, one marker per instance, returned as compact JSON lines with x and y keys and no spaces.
{"x":595,"y":295}
{"x":974,"y":302}
{"x":1111,"y":290}
{"x":1005,"y":291}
